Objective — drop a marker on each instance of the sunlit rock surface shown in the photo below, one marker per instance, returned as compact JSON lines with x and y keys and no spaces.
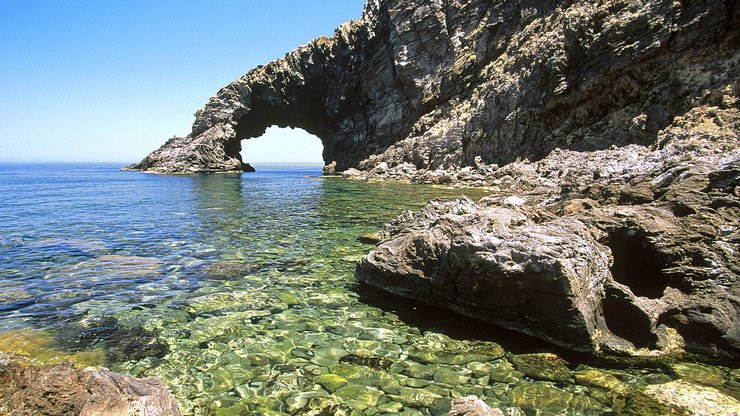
{"x":66,"y":390}
{"x":434,"y":85}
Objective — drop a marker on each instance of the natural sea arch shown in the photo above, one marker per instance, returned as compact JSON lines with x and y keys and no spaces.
{"x":282,"y":145}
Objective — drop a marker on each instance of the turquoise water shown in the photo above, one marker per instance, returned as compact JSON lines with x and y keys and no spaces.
{"x":238,"y":291}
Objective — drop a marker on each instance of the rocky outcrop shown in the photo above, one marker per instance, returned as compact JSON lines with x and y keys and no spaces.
{"x":65,"y":390}
{"x":627,"y":249}
{"x":433,"y":85}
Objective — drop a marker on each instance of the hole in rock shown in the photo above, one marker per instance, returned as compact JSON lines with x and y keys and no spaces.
{"x":636,"y":263}
{"x":280,"y":145}
{"x":626,"y":320}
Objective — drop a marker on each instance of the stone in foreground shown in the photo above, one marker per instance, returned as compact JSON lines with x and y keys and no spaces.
{"x":65,"y":390}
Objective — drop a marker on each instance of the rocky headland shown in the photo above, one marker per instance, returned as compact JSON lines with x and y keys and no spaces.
{"x":443,"y":84}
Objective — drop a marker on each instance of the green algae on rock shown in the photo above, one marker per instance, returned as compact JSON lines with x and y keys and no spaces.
{"x":542,"y":366}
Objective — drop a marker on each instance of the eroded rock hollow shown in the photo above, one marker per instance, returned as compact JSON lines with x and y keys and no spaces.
{"x":439,"y":83}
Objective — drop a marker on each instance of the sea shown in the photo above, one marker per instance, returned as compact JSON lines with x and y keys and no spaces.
{"x":238,"y":291}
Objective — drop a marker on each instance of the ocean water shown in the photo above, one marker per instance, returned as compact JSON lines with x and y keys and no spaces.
{"x":238,"y":291}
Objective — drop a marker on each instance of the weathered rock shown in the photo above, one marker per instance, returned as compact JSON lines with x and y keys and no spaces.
{"x":496,"y":264}
{"x":442,"y":85}
{"x":63,"y":389}
{"x":560,"y":252}
{"x":691,"y":399}
{"x":542,"y":366}
{"x":472,"y":406}
{"x":330,"y":169}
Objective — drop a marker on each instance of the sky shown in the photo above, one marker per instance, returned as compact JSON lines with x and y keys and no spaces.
{"x":110,"y":81}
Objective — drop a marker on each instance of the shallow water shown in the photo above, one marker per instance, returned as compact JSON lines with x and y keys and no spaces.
{"x":238,"y":291}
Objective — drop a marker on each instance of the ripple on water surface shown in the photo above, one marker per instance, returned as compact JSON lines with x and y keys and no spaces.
{"x":238,"y":291}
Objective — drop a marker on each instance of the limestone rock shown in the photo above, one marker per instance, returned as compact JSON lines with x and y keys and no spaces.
{"x":63,"y":389}
{"x":472,"y":83}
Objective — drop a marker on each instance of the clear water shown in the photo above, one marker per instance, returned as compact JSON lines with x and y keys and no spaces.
{"x":238,"y":291}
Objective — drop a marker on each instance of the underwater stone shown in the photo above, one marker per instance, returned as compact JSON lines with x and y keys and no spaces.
{"x":479,"y":369}
{"x":379,"y":334}
{"x":699,"y":374}
{"x":503,"y":372}
{"x":288,"y":298}
{"x":328,"y":356}
{"x":416,"y":397}
{"x":372,"y":361}
{"x":692,"y":399}
{"x":359,"y":397}
{"x":450,"y":377}
{"x":416,"y":370}
{"x":540,"y":397}
{"x":331,"y":382}
{"x":416,"y":382}
{"x":299,"y":402}
{"x":459,"y":353}
{"x":347,"y":371}
{"x":252,"y":300}
{"x":303,"y":353}
{"x":389,"y":407}
{"x":542,"y":366}
{"x":600,"y":379}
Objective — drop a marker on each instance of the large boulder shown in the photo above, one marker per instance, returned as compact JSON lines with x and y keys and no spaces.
{"x":496,"y":263}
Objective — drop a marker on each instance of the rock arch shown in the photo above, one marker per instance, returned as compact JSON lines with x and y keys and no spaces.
{"x":442,"y":83}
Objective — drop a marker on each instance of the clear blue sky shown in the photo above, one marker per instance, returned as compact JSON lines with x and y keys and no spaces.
{"x":112,"y":80}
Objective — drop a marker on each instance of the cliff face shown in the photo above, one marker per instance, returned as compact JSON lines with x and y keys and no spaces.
{"x":438,"y":83}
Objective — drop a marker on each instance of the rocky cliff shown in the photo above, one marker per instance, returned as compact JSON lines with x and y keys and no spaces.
{"x":433,"y":84}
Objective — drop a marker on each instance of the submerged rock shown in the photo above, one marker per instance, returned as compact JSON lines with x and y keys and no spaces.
{"x":544,"y":366}
{"x":65,"y":390}
{"x":691,"y":399}
{"x":472,"y":406}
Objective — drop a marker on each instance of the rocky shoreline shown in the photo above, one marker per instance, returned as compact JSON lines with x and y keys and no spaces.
{"x":627,"y":250}
{"x":607,"y":133}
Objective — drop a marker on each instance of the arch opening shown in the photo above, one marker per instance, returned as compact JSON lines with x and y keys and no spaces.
{"x":282,"y":145}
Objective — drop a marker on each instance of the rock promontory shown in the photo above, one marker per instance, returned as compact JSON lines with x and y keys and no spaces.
{"x":429,"y":84}
{"x":626,"y":250}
